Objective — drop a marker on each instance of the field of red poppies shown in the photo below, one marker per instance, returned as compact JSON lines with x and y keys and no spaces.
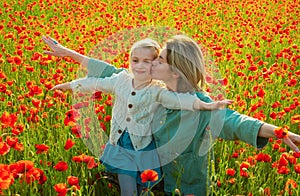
{"x":255,"y":44}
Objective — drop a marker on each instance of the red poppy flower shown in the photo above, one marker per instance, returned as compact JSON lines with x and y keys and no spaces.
{"x":261,"y":93}
{"x":283,"y":161}
{"x":2,"y":88}
{"x":35,"y":90}
{"x":72,"y":180}
{"x":107,"y":118}
{"x":263,"y":157}
{"x":223,"y":82}
{"x":8,"y":120}
{"x":292,"y":82}
{"x":6,"y":177}
{"x":296,"y":154}
{"x":18,"y":146}
{"x":273,"y":115}
{"x":283,"y":170}
{"x":297,"y":168}
{"x":232,"y":180}
{"x":253,"y":68}
{"x":149,"y":175}
{"x":41,"y":148}
{"x":20,"y":167}
{"x":61,"y":166}
{"x":290,"y":183}
{"x":243,"y":169}
{"x":36,"y":102}
{"x":71,"y":117}
{"x":69,"y":144}
{"x":78,"y":158}
{"x":61,"y":189}
{"x":4,"y":148}
{"x":281,"y":132}
{"x":97,"y":95}
{"x":11,"y":141}
{"x":76,"y":130}
{"x":34,"y":174}
{"x":230,"y":172}
{"x":17,"y":60}
{"x":91,"y":163}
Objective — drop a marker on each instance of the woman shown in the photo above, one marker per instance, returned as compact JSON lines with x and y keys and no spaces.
{"x":180,"y":66}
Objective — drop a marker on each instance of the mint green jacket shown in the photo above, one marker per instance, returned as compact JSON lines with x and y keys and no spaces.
{"x":188,"y":169}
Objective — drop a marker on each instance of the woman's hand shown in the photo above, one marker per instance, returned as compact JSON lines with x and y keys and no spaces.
{"x":57,"y":49}
{"x":293,"y":141}
{"x":63,"y":87}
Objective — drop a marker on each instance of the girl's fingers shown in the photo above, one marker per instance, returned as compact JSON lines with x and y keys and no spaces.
{"x":49,"y":41}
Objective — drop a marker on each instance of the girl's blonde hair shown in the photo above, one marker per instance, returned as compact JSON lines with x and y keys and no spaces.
{"x":146,"y":43}
{"x":185,"y":57}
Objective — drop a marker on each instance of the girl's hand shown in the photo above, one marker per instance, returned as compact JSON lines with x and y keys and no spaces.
{"x":222,"y":104}
{"x":57,"y":49}
{"x":63,"y":87}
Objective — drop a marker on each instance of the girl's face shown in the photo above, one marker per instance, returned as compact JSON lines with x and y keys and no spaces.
{"x":161,"y":69}
{"x":141,"y":63}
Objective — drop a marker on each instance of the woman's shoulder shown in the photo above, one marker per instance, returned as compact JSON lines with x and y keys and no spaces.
{"x":203,"y":96}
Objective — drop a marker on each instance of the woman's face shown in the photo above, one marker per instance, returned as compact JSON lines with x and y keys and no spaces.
{"x":160,"y":68}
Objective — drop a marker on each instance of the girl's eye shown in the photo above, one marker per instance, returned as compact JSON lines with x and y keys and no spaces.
{"x":134,"y":60}
{"x":148,"y":62}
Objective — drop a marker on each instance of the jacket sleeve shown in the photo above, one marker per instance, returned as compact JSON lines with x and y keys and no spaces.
{"x":100,"y":69}
{"x":241,"y":127}
{"x":237,"y":126}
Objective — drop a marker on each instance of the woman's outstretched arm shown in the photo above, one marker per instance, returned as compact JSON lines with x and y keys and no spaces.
{"x":292,"y":139}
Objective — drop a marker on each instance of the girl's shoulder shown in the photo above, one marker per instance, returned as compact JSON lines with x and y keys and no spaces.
{"x":123,"y":74}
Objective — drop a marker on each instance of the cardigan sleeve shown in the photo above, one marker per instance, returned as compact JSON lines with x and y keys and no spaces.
{"x":175,"y":101}
{"x":100,"y":69}
{"x":93,"y":84}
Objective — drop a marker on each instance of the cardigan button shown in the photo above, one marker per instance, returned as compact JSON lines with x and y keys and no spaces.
{"x":133,"y":93}
{"x":119,"y":131}
{"x":128,"y":119}
{"x":130,"y":105}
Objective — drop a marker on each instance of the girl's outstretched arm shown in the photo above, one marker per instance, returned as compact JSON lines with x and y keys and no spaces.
{"x":63,"y":87}
{"x":201,"y":105}
{"x":61,"y":51}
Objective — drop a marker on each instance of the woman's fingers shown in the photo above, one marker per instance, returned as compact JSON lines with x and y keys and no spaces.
{"x":291,"y":144}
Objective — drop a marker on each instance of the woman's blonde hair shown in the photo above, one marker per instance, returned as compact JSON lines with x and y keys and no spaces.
{"x":146,"y":43}
{"x":185,"y":57}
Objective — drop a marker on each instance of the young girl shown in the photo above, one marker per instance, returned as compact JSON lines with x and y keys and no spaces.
{"x":131,"y":148}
